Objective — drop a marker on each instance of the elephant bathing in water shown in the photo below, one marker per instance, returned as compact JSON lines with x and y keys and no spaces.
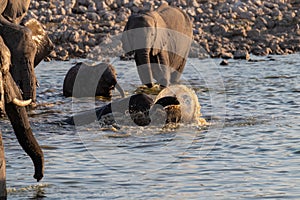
{"x":174,"y":104}
{"x":11,"y":101}
{"x":160,"y":41}
{"x":28,"y":44}
{"x":84,"y":80}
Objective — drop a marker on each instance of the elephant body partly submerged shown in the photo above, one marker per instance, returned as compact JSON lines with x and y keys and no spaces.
{"x":173,"y":105}
{"x":83,"y":80}
{"x":161,"y":42}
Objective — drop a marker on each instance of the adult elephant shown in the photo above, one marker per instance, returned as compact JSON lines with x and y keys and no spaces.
{"x":11,"y":101}
{"x":84,"y":80}
{"x":28,"y":44}
{"x":161,"y":42}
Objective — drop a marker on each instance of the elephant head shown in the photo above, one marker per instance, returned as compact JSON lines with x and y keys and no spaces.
{"x":11,"y":101}
{"x":43,"y":44}
{"x":84,"y":80}
{"x":28,"y":45}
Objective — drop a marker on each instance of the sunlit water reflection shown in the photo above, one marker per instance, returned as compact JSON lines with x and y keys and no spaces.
{"x":251,"y":150}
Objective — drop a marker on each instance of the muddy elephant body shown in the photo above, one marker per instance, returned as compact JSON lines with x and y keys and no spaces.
{"x":84,"y":80}
{"x":161,"y":42}
{"x":174,"y":104}
{"x":28,"y":44}
{"x":11,"y":101}
{"x":133,"y":105}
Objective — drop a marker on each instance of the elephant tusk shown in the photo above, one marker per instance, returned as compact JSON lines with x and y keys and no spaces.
{"x":21,"y":103}
{"x":118,"y":87}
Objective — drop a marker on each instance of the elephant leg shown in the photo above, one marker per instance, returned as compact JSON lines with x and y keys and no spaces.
{"x":161,"y":70}
{"x":19,"y":41}
{"x":176,"y":74}
{"x":19,"y":120}
{"x":142,"y":59}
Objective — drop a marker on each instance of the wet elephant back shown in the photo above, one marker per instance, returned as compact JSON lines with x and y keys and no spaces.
{"x":176,"y":19}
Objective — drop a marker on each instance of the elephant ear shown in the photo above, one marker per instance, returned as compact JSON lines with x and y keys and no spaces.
{"x":3,"y":4}
{"x":16,"y":10}
{"x":161,"y":34}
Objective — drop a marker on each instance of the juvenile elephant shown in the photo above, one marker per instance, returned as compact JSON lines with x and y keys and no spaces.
{"x":136,"y":109}
{"x":28,"y":44}
{"x":174,"y":104}
{"x":161,"y":42}
{"x":11,"y":101}
{"x":84,"y":80}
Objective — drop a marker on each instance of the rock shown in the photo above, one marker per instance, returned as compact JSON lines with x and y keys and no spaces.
{"x":109,"y":3}
{"x":63,"y":54}
{"x":219,"y":29}
{"x":254,"y":33}
{"x":74,"y":37}
{"x":248,"y":15}
{"x":192,"y":3}
{"x":241,"y":54}
{"x":277,"y":14}
{"x":226,"y":55}
{"x":79,"y":10}
{"x":101,"y":5}
{"x":236,"y":32}
{"x":92,"y":16}
{"x":92,"y":7}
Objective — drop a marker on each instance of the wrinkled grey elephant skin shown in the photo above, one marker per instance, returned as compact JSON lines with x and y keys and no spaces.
{"x":27,"y":51}
{"x":84,"y":80}
{"x":161,"y":42}
{"x":9,"y":96}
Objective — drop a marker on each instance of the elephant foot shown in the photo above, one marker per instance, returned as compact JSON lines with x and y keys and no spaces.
{"x":154,"y":90}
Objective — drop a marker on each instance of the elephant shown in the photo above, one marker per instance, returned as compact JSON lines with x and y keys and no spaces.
{"x":28,"y":44}
{"x":174,"y":104}
{"x":160,"y":41}
{"x":83,"y":80}
{"x":136,"y":108}
{"x":11,"y":101}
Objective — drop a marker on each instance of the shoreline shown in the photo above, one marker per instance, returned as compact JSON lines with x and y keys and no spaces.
{"x":224,"y":29}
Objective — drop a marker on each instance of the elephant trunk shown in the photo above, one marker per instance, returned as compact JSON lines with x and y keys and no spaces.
{"x":28,"y":82}
{"x":142,"y":58}
{"x":19,"y":120}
